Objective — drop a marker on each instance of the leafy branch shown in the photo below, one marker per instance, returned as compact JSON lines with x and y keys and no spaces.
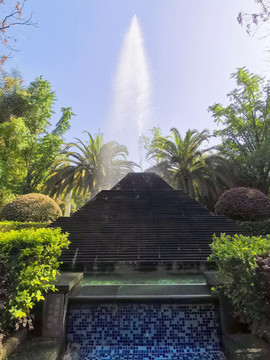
{"x":13,"y":19}
{"x":253,"y":22}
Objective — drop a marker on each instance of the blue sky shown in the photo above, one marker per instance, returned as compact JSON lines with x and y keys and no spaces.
{"x":192,"y":48}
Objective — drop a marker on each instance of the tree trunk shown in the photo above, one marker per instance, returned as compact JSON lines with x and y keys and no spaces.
{"x":67,"y":207}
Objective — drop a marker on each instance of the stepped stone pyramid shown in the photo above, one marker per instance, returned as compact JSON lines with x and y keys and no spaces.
{"x":141,"y":220}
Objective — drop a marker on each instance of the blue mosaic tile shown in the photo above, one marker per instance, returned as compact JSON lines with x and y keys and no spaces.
{"x":145,"y":331}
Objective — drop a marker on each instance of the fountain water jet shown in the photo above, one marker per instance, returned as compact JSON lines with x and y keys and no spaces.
{"x":131,"y":107}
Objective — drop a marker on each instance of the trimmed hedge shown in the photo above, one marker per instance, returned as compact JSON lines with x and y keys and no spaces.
{"x":242,"y":280}
{"x":243,"y":204}
{"x":32,"y":207}
{"x":6,"y":226}
{"x":30,"y":262}
{"x":256,"y":228}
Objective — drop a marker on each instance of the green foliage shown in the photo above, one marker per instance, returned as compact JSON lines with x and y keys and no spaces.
{"x":45,"y":150}
{"x":155,"y":146}
{"x":256,"y":228}
{"x":245,"y":129}
{"x":31,"y":265}
{"x":243,"y":203}
{"x":183,"y":163}
{"x":93,"y":166}
{"x":242,"y":280}
{"x":31,"y":207}
{"x":77,"y":202}
{"x":6,"y":226}
{"x":27,"y":147}
{"x":11,"y":103}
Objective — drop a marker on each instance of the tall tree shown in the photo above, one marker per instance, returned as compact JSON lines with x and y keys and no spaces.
{"x":86,"y":168}
{"x":245,"y":131}
{"x":182,"y":162}
{"x":27,"y":147}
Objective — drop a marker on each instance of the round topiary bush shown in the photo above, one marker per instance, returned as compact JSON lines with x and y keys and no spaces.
{"x":243,"y":204}
{"x":32,"y":207}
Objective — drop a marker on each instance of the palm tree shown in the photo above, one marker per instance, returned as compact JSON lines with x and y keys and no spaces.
{"x":184,"y":164}
{"x":91,"y":167}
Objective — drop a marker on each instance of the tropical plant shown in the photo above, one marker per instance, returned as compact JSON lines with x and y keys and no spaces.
{"x":91,"y":167}
{"x":184,"y":164}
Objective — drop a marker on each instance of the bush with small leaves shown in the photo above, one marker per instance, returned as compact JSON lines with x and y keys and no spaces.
{"x":29,"y":267}
{"x":244,"y":204}
{"x":243,"y":281}
{"x":31,"y":207}
{"x":6,"y":226}
{"x":254,"y":228}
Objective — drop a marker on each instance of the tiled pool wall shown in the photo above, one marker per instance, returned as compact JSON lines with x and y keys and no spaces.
{"x":143,"y":331}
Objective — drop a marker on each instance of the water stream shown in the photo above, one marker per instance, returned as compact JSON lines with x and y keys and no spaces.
{"x":131,"y":104}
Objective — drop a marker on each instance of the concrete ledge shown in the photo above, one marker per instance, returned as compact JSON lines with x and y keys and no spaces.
{"x":38,"y":349}
{"x":12,"y":343}
{"x":246,"y":347}
{"x":147,"y":293}
{"x":66,"y":281}
{"x":266,"y":336}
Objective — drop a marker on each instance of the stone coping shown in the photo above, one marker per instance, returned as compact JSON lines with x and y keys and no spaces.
{"x":246,"y":347}
{"x":149,"y":293}
{"x":67,"y":281}
{"x":38,"y":349}
{"x":12,"y":343}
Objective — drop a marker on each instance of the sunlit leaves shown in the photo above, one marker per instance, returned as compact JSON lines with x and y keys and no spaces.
{"x":86,"y":168}
{"x":241,"y":279}
{"x":31,"y":264}
{"x":184,"y":163}
{"x":27,"y":148}
{"x":245,"y":129}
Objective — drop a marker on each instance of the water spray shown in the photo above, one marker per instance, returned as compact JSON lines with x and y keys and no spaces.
{"x":131,"y":107}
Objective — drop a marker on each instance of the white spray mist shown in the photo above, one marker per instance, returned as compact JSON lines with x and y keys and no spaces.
{"x":131,"y":107}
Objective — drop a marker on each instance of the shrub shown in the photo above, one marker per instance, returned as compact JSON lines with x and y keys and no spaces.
{"x":6,"y":226}
{"x":243,"y":281}
{"x":243,"y":204}
{"x":30,"y":267}
{"x":32,"y":207}
{"x":255,"y":228}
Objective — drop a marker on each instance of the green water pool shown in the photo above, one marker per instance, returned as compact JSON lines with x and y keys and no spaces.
{"x":156,"y":278}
